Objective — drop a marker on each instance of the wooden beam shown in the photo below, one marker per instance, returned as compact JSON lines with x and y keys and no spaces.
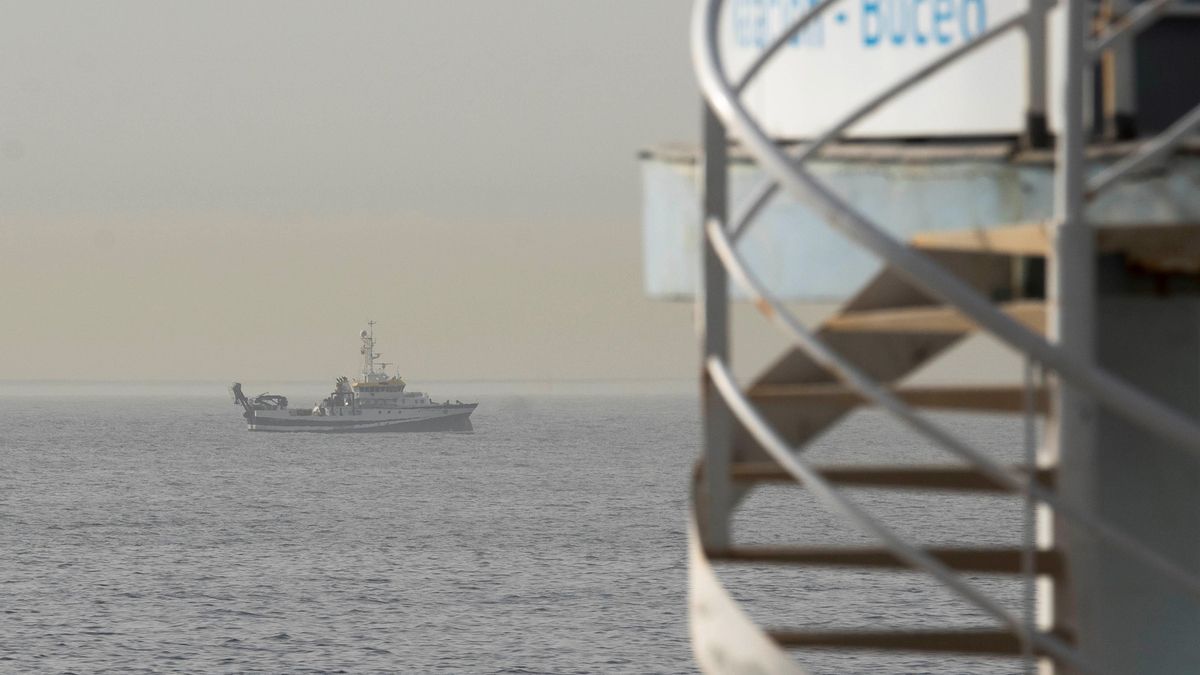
{"x":989,"y":642}
{"x":1165,"y":248}
{"x":1008,"y":398}
{"x":1027,"y":239}
{"x":937,"y":319}
{"x":981,"y":560}
{"x":899,"y":477}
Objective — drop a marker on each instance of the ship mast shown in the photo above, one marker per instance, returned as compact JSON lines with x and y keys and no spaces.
{"x":368,"y":352}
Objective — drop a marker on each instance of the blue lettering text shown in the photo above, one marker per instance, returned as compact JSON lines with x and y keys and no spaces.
{"x":872,"y":22}
{"x":755,"y":23}
{"x":898,"y":19}
{"x":980,"y":11}
{"x":943,"y":13}
{"x":918,"y":36}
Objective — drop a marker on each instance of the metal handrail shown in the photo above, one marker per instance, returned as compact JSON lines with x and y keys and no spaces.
{"x":1135,"y":21}
{"x":922,"y":73}
{"x":1122,"y":398}
{"x":1151,"y":151}
{"x":1128,"y":26}
{"x":878,"y":394}
{"x":835,"y":501}
{"x":769,"y":188}
{"x":1029,"y":543}
{"x":788,"y":171}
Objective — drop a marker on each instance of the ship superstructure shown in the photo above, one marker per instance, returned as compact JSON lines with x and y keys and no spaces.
{"x":375,"y":401}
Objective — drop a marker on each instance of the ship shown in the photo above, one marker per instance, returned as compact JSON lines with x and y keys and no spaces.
{"x":375,"y":402}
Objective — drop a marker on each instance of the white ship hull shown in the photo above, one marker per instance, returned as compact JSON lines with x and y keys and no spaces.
{"x":376,"y":402}
{"x":449,"y":417}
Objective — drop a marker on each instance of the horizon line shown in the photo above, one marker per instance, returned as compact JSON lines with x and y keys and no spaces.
{"x":578,"y":380}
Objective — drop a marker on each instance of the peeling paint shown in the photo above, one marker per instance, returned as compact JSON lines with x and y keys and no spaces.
{"x":801,"y":258}
{"x":765,"y":307}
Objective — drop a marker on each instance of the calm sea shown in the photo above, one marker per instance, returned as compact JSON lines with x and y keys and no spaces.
{"x":143,"y":529}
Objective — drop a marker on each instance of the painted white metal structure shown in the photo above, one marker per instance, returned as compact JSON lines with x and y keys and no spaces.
{"x":925,"y":294}
{"x":907,"y":189}
{"x":888,"y":39}
{"x":841,"y":42}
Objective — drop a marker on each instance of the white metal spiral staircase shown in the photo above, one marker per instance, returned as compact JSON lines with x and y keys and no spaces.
{"x":931,"y":292}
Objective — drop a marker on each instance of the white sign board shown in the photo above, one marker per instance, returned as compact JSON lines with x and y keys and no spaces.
{"x":858,"y":48}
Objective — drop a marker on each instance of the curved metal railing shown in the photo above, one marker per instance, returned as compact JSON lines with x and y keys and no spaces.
{"x":787,"y":172}
{"x":881,"y":396}
{"x":835,"y":501}
{"x":1121,"y":397}
{"x":1125,"y":29}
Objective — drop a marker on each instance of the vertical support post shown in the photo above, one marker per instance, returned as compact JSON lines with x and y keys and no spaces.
{"x":1120,"y":86}
{"x":1072,"y":294}
{"x":1037,"y":132}
{"x":716,"y":490}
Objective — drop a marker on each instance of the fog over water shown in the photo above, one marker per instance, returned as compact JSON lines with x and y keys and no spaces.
{"x":227,"y":191}
{"x":213,"y":190}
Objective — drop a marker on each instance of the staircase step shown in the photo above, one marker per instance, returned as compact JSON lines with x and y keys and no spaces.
{"x":900,"y":477}
{"x":1025,"y":239}
{"x":991,"y":642}
{"x":981,"y":560}
{"x":1003,"y":398}
{"x":931,"y":319}
{"x":1172,"y":248}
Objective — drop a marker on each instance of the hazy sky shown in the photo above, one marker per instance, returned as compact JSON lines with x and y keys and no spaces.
{"x":219,"y":190}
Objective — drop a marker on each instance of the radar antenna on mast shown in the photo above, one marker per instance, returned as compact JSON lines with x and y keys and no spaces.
{"x":368,"y":353}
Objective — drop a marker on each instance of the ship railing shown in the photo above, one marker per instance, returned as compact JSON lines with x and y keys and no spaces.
{"x":728,"y":116}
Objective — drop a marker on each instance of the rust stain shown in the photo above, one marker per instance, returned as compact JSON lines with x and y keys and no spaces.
{"x":765,"y":307}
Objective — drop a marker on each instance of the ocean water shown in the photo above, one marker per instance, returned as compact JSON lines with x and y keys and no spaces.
{"x":143,"y":529}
